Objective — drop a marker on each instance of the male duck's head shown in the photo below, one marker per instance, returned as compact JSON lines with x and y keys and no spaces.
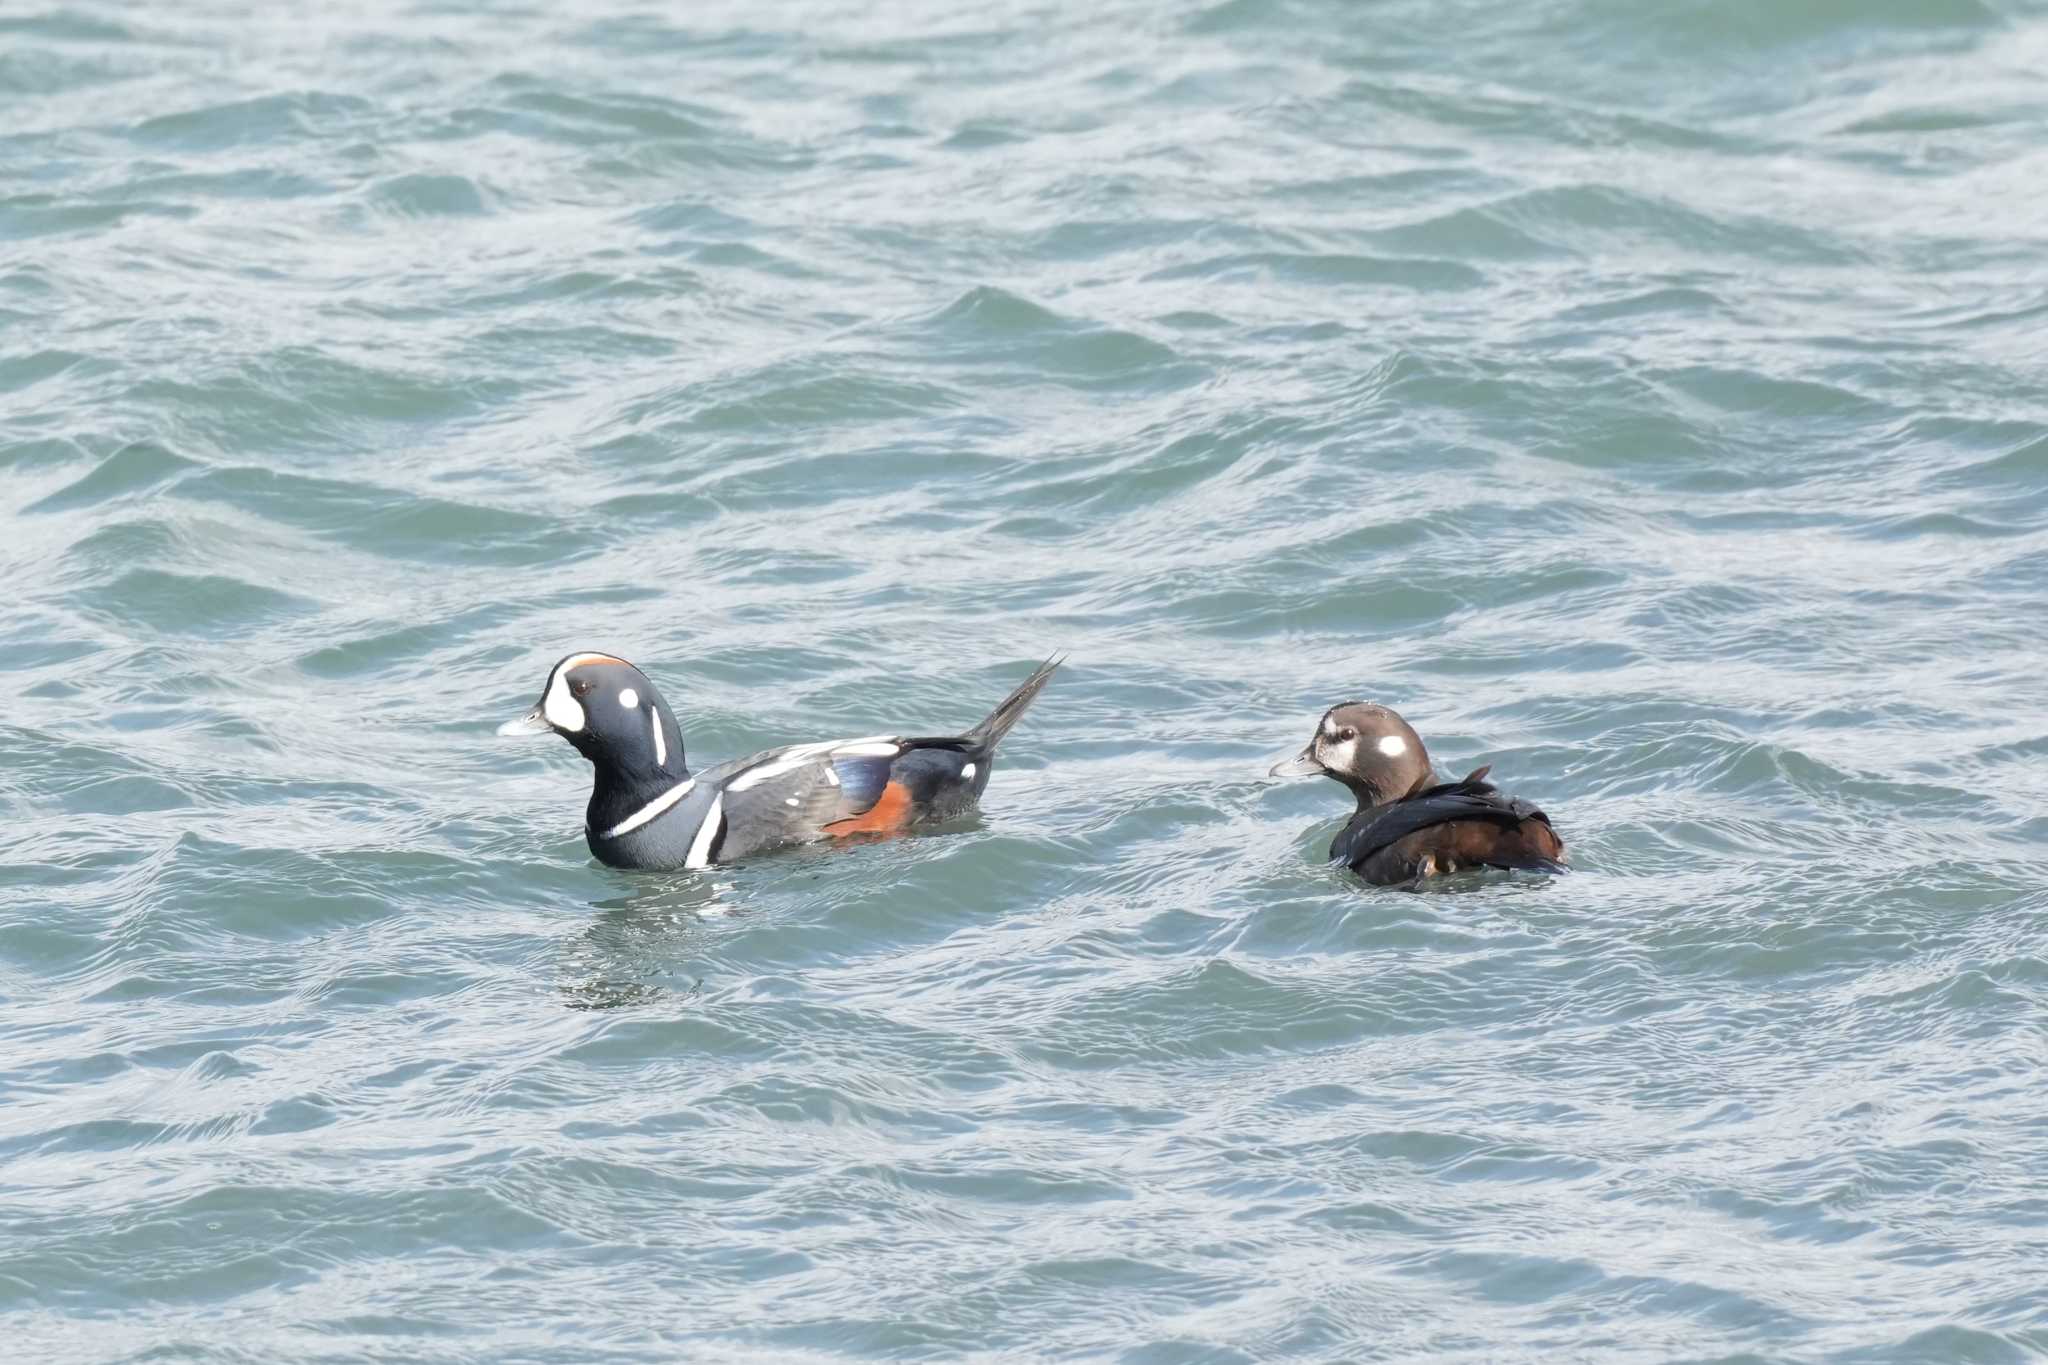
{"x":612,"y":714}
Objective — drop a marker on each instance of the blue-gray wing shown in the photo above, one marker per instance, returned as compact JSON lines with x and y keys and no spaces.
{"x":791,"y":795}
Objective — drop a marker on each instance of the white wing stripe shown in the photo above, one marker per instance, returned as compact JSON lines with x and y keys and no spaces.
{"x":780,"y":761}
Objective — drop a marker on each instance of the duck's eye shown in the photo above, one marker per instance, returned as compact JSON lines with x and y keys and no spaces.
{"x":581,"y":687}
{"x":1347,"y":733}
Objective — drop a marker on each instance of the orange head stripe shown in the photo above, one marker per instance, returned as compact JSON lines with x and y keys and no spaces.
{"x":890,"y":811}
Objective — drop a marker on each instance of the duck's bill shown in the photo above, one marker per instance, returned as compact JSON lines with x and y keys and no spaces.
{"x":532,"y":723}
{"x":1302,"y":764}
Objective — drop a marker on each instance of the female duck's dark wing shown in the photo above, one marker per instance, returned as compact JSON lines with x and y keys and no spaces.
{"x":1445,"y":828}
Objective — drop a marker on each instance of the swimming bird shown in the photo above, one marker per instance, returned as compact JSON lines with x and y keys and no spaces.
{"x":648,"y":812}
{"x":1408,"y":826}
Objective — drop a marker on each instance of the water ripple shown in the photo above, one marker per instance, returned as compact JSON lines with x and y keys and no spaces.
{"x":1643,"y":399}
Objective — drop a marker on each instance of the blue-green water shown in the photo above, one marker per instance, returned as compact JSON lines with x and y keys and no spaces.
{"x":1650,"y":400}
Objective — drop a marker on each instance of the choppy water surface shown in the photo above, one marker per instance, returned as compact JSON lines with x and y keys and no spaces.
{"x":1648,"y":400}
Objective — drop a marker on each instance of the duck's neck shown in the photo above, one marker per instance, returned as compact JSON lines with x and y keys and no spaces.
{"x":1367,"y":795}
{"x":617,"y":794}
{"x":1371,"y":797}
{"x":625,"y":782}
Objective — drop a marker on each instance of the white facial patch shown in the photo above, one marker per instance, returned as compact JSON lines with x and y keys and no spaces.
{"x":660,"y":743}
{"x":1393,"y":746}
{"x":563,"y":711}
{"x":629,"y":699}
{"x":1341,"y":756}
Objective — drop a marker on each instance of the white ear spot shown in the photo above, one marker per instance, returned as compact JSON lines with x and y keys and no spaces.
{"x":967,"y":770}
{"x":1393,"y":746}
{"x":629,"y":699}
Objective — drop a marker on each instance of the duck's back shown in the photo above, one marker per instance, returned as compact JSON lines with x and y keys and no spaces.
{"x":1448,"y":828}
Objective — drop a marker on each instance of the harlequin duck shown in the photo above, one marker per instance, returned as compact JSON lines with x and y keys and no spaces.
{"x":648,"y":812}
{"x":1408,"y":826}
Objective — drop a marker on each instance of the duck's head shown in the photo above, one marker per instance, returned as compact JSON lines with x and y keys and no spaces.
{"x":1368,"y":748}
{"x":614,"y":716}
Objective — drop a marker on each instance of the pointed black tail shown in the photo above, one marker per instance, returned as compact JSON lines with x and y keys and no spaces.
{"x":984,"y":737}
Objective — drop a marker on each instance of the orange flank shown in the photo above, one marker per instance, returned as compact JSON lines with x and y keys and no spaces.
{"x":890,"y":811}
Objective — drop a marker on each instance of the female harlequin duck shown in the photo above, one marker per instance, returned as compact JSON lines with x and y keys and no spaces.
{"x":647,"y":812}
{"x":1407,"y":826}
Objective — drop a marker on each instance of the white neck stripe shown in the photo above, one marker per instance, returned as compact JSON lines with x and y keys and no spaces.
{"x":707,"y":834}
{"x":651,"y":809}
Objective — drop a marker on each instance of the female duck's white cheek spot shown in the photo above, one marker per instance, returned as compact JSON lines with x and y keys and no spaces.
{"x":1393,"y":746}
{"x":629,"y":699}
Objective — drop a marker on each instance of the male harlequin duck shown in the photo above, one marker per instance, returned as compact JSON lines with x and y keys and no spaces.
{"x":647,"y":812}
{"x":1408,"y":826}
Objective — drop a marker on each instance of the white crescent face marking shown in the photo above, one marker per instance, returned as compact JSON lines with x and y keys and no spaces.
{"x":563,"y":711}
{"x":629,"y":699}
{"x":660,"y":741}
{"x":1393,"y":746}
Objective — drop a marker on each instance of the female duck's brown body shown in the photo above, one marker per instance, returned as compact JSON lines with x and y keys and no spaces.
{"x":1409,"y":826}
